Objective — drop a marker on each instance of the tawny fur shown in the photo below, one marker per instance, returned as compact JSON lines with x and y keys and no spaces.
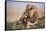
{"x":30,"y":16}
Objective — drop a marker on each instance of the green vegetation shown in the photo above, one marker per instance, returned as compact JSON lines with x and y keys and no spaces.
{"x":16,"y":25}
{"x":19,"y":26}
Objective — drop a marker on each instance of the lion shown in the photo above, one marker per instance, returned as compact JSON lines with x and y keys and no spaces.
{"x":30,"y":16}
